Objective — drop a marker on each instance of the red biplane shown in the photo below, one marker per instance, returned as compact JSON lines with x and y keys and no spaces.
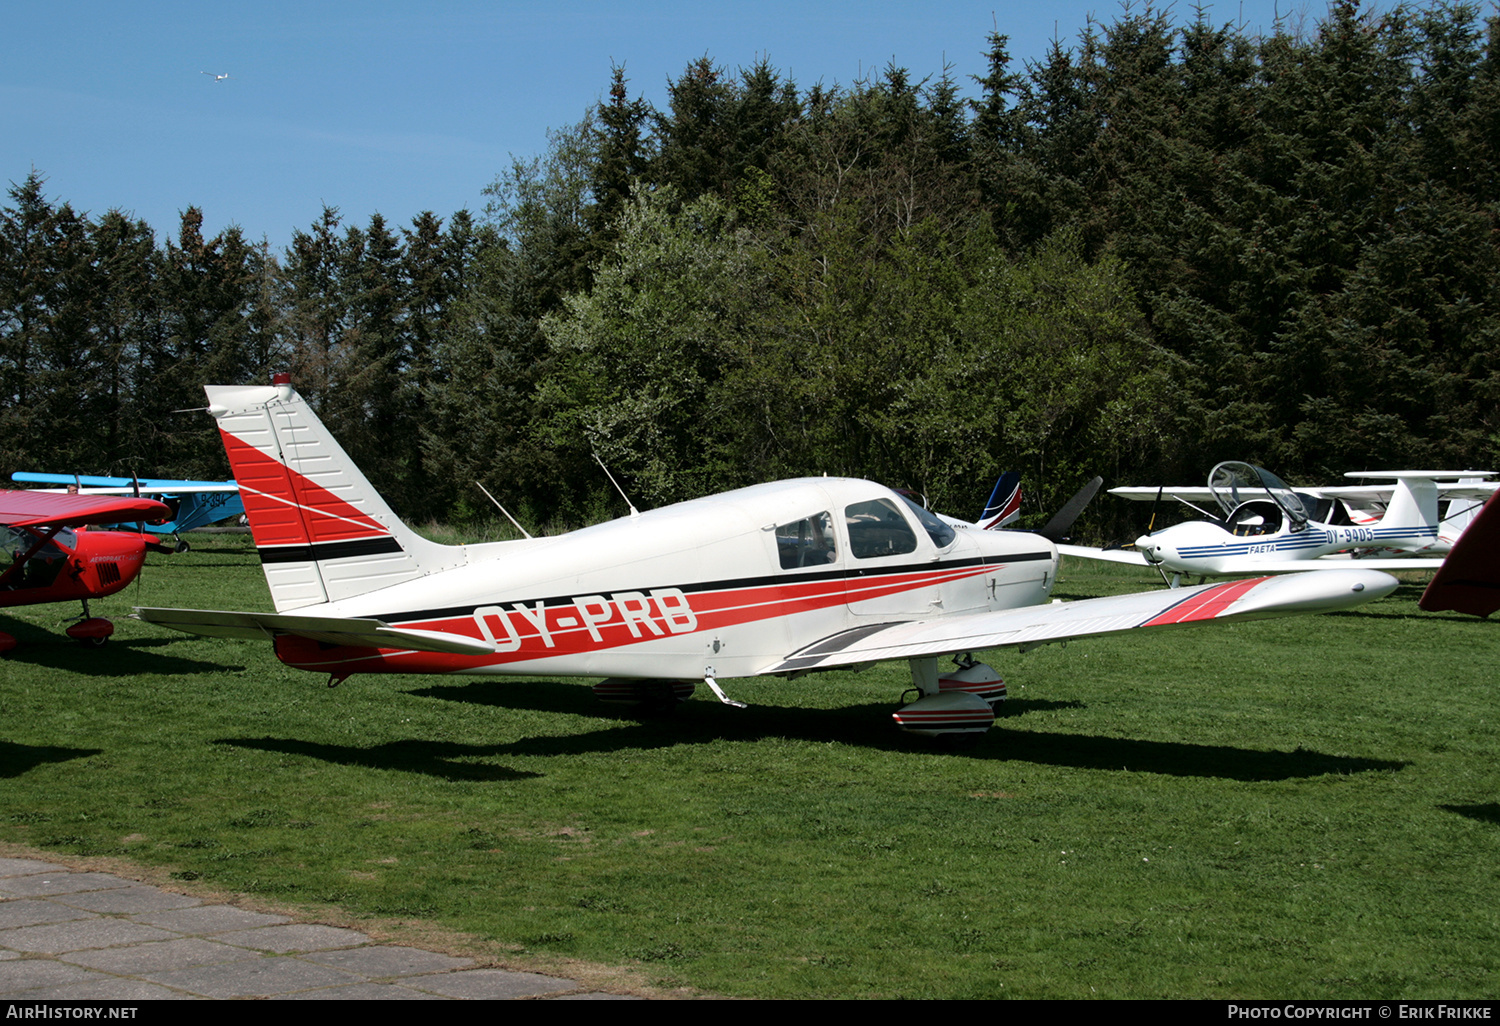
{"x":49,"y":555}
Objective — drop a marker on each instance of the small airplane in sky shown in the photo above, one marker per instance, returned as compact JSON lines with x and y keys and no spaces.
{"x":49,"y":555}
{"x":216,"y":78}
{"x":782,"y":579}
{"x":193,"y":503}
{"x":1266,"y":526}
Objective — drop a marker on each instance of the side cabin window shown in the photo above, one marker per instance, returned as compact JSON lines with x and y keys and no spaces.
{"x":42,"y":568}
{"x":877,"y":528}
{"x":806,"y":542}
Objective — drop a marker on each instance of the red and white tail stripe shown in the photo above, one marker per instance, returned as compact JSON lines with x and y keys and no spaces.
{"x":322,"y":531}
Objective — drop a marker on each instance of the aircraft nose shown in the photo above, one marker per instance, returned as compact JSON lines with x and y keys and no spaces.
{"x":1148,"y":548}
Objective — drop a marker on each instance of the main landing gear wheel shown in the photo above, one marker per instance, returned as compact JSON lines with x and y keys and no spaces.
{"x":955,"y":707}
{"x":92,"y":631}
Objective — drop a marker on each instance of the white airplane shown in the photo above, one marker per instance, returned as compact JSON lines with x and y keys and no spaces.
{"x":781,"y":579}
{"x":1267,"y":527}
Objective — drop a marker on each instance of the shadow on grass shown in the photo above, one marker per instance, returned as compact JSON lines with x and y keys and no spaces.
{"x":1177,"y":758}
{"x":866,"y":726}
{"x":1364,"y":614}
{"x":1489,"y":812}
{"x":431,"y":758}
{"x":116,"y":659}
{"x":551,"y":696}
{"x":16,"y":759}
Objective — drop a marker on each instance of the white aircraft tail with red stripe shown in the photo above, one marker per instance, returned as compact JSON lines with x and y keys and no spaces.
{"x":322,"y":531}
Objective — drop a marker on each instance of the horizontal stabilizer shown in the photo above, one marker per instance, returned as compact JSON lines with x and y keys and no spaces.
{"x":329,"y":630}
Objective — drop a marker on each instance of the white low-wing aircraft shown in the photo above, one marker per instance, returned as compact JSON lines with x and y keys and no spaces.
{"x":782,"y":579}
{"x":1268,"y":527}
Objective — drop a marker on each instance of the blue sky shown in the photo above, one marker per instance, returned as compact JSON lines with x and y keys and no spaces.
{"x":398,"y":107}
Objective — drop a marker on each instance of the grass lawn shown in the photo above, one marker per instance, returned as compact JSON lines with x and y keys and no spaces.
{"x":1303,"y":808}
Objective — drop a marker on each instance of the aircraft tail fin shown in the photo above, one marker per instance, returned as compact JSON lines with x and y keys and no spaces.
{"x":1413,"y":509}
{"x":1004,"y":506}
{"x":322,"y":531}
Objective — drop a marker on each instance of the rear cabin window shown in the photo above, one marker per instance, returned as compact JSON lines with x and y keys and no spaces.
{"x":877,"y":528}
{"x":806,"y":542}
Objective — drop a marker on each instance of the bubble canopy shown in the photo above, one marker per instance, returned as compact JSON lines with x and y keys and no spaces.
{"x":1237,"y":486}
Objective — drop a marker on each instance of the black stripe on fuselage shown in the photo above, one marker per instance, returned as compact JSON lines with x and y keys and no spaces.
{"x":328,"y":550}
{"x":844,"y":573}
{"x":813,"y":655}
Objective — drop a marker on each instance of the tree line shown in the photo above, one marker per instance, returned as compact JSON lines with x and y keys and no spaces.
{"x":1158,"y":247}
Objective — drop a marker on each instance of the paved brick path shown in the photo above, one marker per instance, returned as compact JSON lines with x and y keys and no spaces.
{"x":74,"y":936}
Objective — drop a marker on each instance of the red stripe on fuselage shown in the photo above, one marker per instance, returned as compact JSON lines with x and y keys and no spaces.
{"x":597,"y":623}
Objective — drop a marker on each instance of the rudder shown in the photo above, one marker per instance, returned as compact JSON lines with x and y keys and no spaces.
{"x":322,"y":531}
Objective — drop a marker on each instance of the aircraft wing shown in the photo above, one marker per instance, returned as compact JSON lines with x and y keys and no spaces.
{"x":1031,"y":626}
{"x":1144,"y":493}
{"x":1131,"y":556}
{"x":1455,"y":485}
{"x":1366,"y":495}
{"x":1026,"y":627}
{"x":90,"y":484}
{"x":1321,"y":564}
{"x":1255,"y":565}
{"x":199,"y":502}
{"x":330,"y":630}
{"x":50,"y":509}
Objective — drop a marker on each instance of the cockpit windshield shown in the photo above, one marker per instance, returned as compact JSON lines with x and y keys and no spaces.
{"x":941,"y":534}
{"x":1235,"y":484}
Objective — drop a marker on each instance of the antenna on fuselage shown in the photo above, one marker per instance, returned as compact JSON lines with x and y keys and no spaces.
{"x":502,"y":509}
{"x":633,"y":511}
